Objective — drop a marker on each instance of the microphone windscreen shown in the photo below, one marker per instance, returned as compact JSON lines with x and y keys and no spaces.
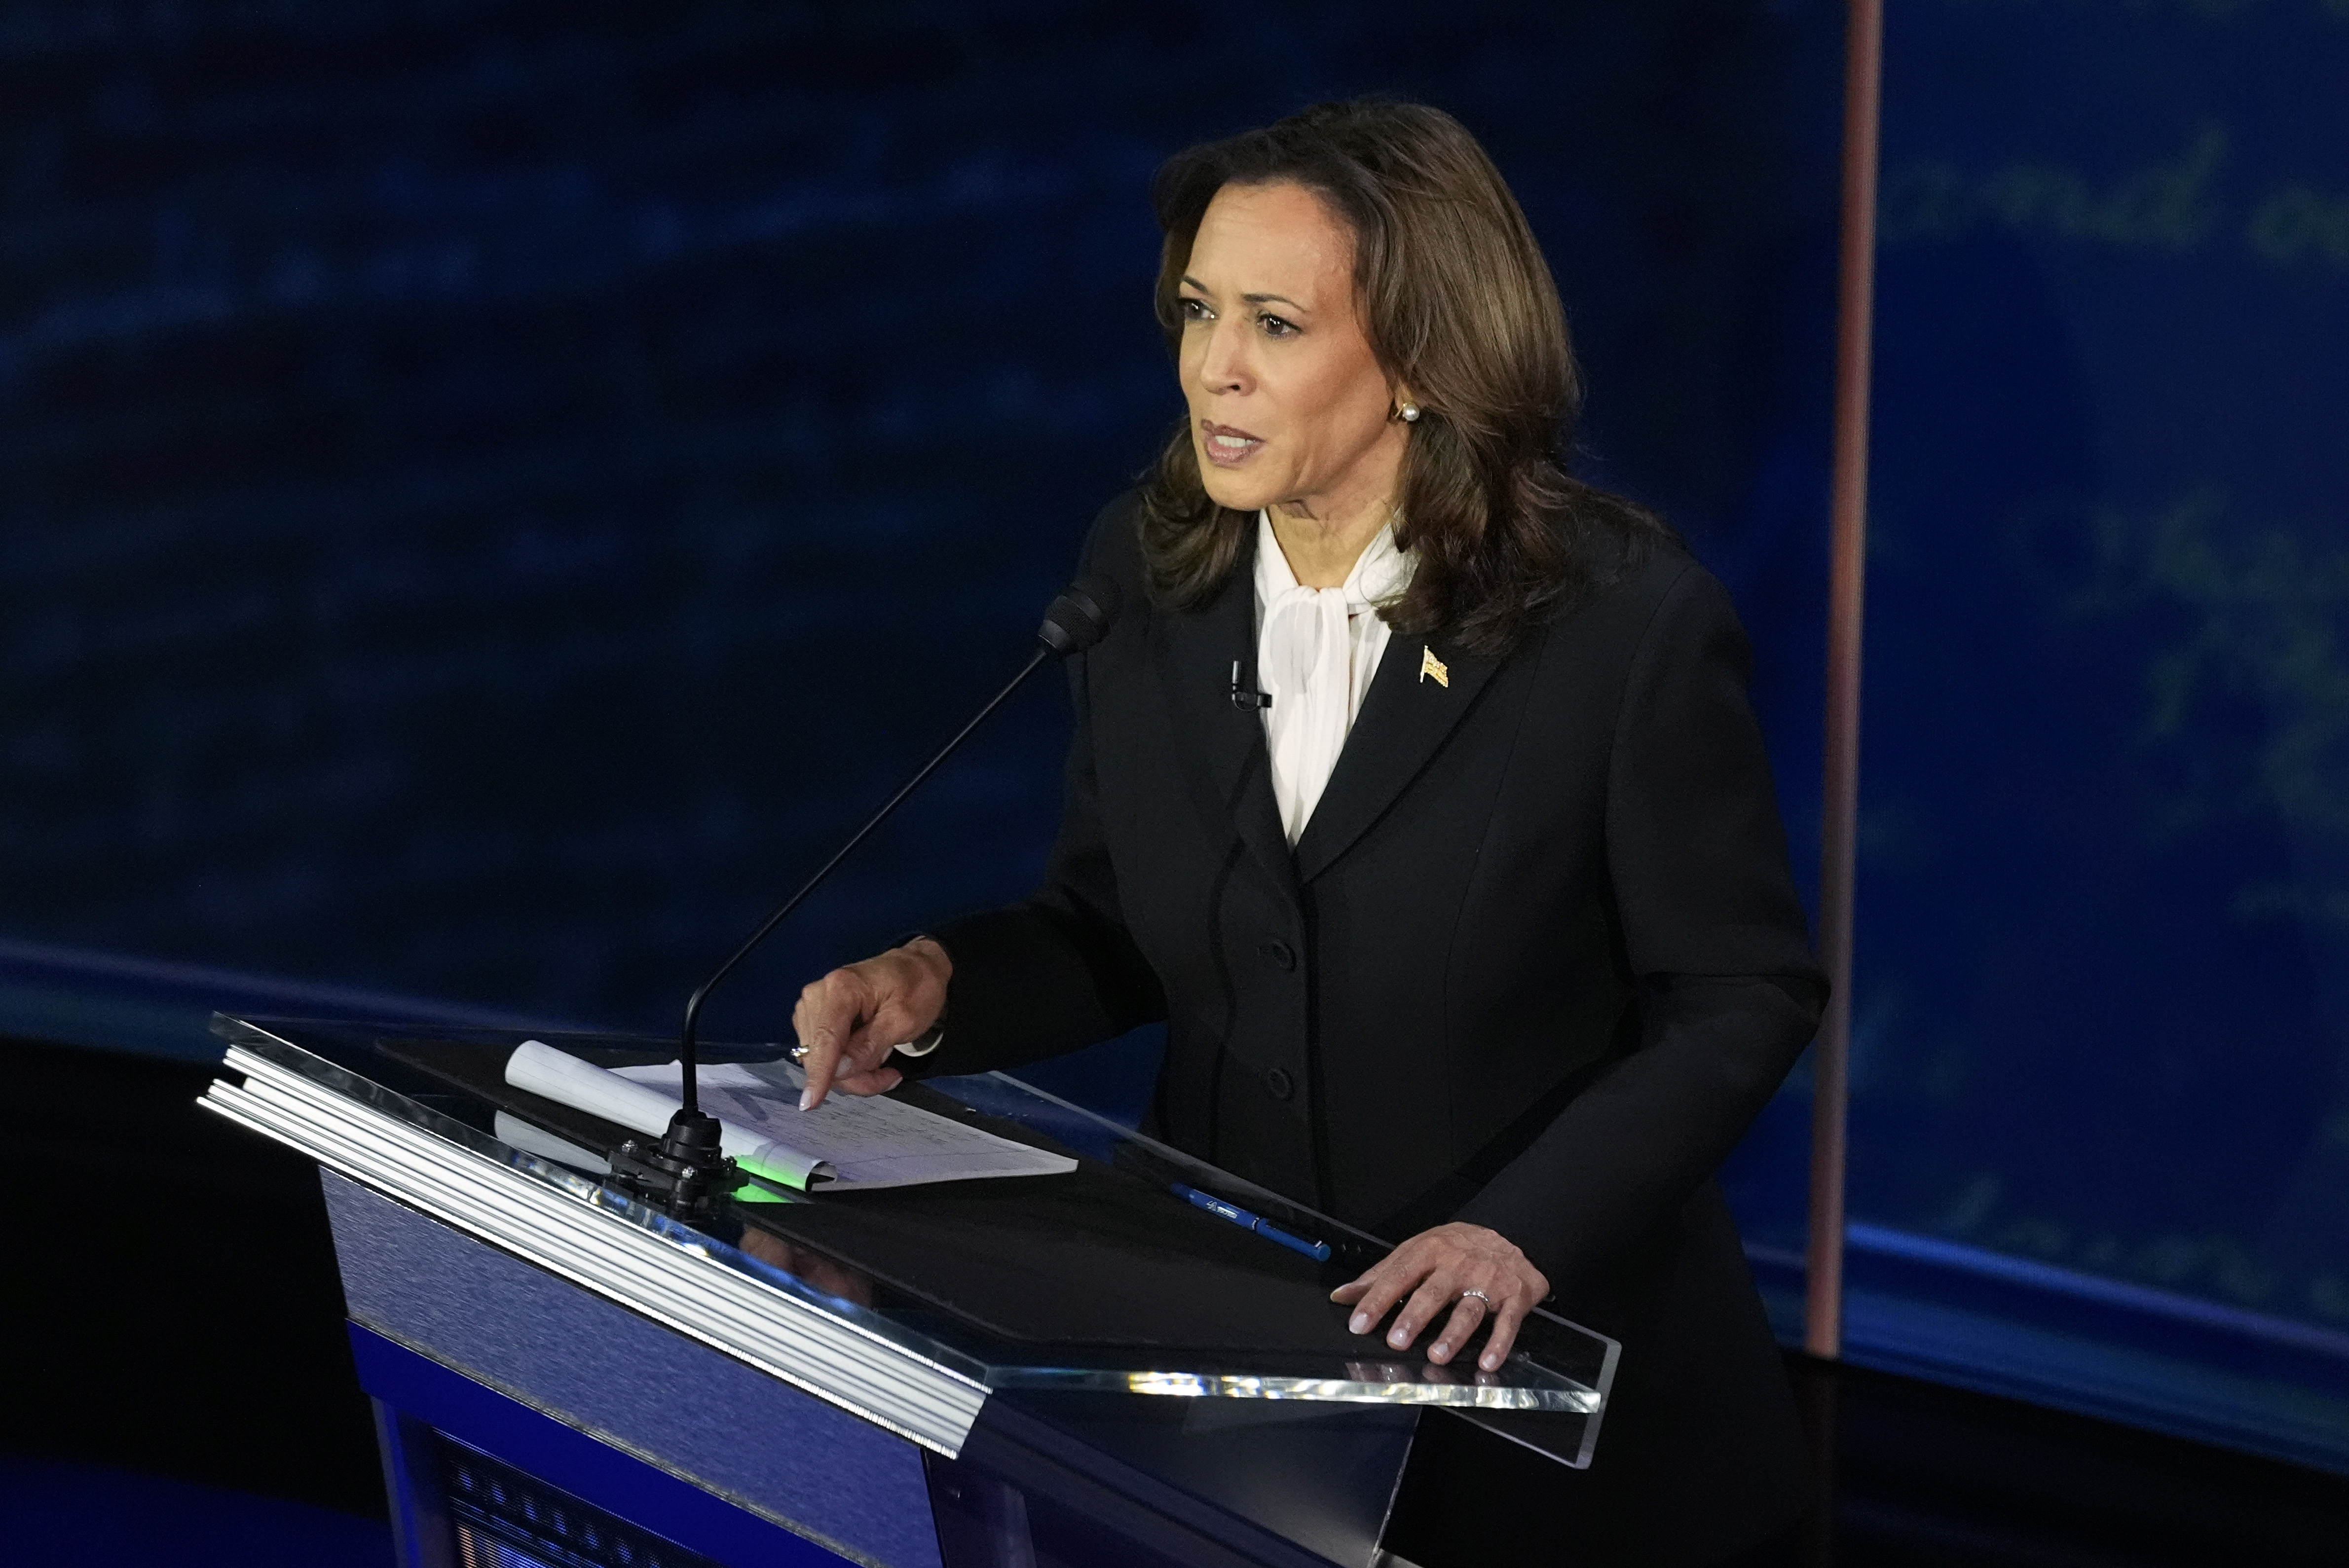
{"x":1081,"y":616}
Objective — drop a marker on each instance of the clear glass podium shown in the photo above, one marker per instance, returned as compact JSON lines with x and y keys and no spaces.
{"x":1007,"y":1324}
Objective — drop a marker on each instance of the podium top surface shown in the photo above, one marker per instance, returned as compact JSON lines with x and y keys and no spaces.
{"x":1101,"y":1279}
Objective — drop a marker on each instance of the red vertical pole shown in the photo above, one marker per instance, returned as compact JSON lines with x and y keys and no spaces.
{"x":1846,"y":579}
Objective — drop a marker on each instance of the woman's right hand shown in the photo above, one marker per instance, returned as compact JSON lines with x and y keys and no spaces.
{"x":849,"y":1021}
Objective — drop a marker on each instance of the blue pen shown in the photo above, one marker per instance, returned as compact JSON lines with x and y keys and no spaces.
{"x":1317,"y":1251}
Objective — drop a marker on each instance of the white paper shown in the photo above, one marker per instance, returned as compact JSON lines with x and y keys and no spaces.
{"x":854,"y":1140}
{"x":847,"y":1142}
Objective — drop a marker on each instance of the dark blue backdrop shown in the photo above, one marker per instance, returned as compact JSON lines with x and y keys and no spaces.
{"x":2102,"y":999}
{"x":493,"y":491}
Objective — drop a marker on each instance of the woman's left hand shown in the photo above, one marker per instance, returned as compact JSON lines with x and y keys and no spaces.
{"x":1433,"y":1269}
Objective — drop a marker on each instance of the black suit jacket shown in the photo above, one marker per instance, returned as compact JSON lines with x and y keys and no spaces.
{"x":1535,"y":963}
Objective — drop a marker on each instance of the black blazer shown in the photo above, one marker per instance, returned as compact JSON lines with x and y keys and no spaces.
{"x":1535,"y":963}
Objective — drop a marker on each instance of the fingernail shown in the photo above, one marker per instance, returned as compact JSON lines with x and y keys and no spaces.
{"x":1489,"y":1363}
{"x":807,"y":1099}
{"x":1442,"y":1350}
{"x":1360,"y":1324}
{"x":1399,"y":1339}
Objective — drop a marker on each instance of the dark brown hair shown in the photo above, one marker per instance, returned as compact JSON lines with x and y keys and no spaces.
{"x":1460,"y":307}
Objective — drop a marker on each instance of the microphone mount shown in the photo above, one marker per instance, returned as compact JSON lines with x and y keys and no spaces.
{"x":685,"y":1172}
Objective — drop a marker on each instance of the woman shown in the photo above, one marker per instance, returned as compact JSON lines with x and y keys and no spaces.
{"x":1480,"y":931}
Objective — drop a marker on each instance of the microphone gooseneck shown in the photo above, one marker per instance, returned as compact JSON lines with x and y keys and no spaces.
{"x":686,"y":1169}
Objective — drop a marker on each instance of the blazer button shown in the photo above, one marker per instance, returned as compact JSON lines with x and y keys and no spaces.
{"x":1278,"y":1083}
{"x":1281,"y":953}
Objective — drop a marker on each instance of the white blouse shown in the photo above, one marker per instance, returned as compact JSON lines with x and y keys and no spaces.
{"x":1317,"y":649}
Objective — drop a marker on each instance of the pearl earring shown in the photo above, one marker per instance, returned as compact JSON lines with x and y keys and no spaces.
{"x":1410,"y":412}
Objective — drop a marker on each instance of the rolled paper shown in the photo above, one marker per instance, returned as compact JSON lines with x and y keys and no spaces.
{"x":539,"y":1068}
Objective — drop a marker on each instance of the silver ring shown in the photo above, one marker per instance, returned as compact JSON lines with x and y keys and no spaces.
{"x":799,"y":1055}
{"x":1479,"y":1294}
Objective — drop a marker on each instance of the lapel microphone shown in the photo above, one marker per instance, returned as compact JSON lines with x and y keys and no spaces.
{"x":686,"y":1173}
{"x":1246,"y":697}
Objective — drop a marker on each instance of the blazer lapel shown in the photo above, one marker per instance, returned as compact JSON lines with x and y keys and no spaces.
{"x":1221,"y":744}
{"x":1406,"y":715}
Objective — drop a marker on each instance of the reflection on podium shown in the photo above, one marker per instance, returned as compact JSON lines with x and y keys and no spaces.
{"x":936,"y":1374}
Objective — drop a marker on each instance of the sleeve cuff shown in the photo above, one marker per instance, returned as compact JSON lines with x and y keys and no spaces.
{"x":928,"y":1040}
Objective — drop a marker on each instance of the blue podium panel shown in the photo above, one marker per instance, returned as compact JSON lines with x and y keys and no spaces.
{"x":598,"y":1369}
{"x":479,"y":1477}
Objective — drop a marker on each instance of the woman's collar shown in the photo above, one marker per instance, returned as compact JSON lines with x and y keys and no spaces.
{"x":1379,"y":574}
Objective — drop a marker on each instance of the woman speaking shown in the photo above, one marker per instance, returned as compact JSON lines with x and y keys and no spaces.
{"x":1417,"y":791}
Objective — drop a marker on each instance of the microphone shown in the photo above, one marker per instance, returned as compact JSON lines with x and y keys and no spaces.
{"x":687,"y":1173}
{"x":1247,"y":697}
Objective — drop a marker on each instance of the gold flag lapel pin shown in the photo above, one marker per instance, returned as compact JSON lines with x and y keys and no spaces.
{"x":1429,"y":664}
